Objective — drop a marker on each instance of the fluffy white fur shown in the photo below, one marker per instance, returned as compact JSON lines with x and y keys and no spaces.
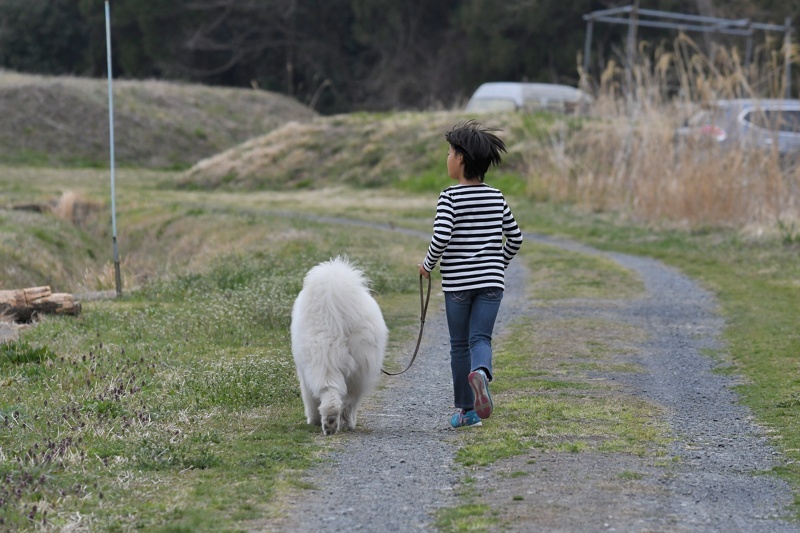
{"x":338,"y":343}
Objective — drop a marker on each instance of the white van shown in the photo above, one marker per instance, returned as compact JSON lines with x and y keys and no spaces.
{"x":516,"y":96}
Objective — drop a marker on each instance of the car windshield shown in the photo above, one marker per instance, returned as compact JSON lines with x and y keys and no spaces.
{"x":787,"y":120}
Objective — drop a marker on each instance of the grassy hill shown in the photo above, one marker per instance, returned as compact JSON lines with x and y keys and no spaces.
{"x":363,"y":150}
{"x":55,"y":121}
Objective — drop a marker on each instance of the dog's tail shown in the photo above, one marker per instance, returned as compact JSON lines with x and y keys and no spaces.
{"x":338,"y":287}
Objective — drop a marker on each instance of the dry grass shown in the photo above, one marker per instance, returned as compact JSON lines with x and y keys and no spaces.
{"x":635,"y":166}
{"x":623,"y":157}
{"x":346,"y":149}
{"x":64,"y":120}
{"x":627,"y":159}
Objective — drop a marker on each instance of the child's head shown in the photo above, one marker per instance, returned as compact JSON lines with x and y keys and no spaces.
{"x":479,"y":147}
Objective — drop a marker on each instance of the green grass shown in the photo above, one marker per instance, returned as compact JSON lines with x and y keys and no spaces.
{"x":756,"y":281}
{"x":435,"y":180}
{"x":563,"y":413}
{"x":169,"y":396}
{"x":154,"y":400}
{"x":175,"y":407}
{"x":544,"y":368}
{"x":562,"y":274}
{"x":470,"y":517}
{"x":21,"y":353}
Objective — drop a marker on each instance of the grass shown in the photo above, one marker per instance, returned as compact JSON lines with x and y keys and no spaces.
{"x":405,"y":151}
{"x":176,"y":407}
{"x":544,"y":368}
{"x":588,"y":276}
{"x":71,"y":129}
{"x":147,"y":386}
{"x":472,"y":517}
{"x":756,"y":282}
{"x":152,"y":382}
{"x":145,"y":412}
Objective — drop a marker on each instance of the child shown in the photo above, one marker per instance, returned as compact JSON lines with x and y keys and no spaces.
{"x":471,"y":220}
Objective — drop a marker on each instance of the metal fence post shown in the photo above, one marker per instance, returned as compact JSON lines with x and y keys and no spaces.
{"x":587,"y":46}
{"x":117,"y":275}
{"x":787,"y":67}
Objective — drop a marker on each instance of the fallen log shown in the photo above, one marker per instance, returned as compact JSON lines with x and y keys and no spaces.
{"x":22,"y":305}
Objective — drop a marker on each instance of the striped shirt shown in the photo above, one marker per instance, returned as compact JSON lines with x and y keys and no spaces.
{"x":471,"y":221}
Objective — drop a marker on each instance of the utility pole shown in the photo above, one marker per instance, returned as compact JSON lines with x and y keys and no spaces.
{"x":117,"y":275}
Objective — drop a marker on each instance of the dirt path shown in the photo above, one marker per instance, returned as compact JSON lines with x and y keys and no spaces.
{"x":398,"y":467}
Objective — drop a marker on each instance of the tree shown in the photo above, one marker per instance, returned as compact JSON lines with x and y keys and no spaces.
{"x":43,"y":36}
{"x":335,"y":55}
{"x":406,"y":58}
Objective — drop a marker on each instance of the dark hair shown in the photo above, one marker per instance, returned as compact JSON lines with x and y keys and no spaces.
{"x":478,"y":145}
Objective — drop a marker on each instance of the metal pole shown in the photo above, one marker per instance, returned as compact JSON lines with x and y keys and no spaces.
{"x":117,"y":276}
{"x":634,"y":15}
{"x":587,"y":46}
{"x":631,"y":39}
{"x":787,"y":67}
{"x":748,"y":51}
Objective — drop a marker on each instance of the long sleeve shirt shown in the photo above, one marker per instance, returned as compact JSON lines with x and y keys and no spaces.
{"x":468,"y":237}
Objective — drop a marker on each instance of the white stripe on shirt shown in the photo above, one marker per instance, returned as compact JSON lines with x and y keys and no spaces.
{"x":471,"y":222}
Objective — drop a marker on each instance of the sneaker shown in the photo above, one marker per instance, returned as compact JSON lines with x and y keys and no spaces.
{"x":461,"y":419}
{"x":480,"y":388}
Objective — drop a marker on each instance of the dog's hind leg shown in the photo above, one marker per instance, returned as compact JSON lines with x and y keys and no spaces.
{"x":349,"y":414}
{"x":355,"y":391}
{"x":330,"y":410}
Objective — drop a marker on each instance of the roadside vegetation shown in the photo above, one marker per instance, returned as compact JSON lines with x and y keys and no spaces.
{"x":175,"y":407}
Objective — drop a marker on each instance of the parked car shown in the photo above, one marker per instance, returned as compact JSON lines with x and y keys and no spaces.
{"x":516,"y":96}
{"x":746,"y":123}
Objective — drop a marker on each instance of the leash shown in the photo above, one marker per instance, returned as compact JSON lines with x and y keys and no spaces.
{"x":423,"y":310}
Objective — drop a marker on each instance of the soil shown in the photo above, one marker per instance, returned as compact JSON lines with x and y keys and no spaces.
{"x":397,"y":468}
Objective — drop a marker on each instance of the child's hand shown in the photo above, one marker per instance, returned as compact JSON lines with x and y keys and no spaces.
{"x":424,"y":273}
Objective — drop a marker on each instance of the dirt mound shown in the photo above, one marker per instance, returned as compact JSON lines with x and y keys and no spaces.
{"x":64,"y":120}
{"x":367,"y":150}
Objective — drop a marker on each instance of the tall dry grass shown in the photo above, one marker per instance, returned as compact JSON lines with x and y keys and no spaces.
{"x":626,"y":156}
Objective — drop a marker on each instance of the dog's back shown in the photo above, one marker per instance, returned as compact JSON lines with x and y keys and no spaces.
{"x":338,"y":340}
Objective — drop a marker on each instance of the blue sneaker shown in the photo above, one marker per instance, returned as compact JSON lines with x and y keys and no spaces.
{"x":480,"y":388}
{"x":461,"y":419}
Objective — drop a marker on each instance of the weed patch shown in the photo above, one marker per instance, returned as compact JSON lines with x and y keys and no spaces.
{"x":23,"y":353}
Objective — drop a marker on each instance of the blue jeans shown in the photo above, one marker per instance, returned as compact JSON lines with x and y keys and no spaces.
{"x":470,"y":319}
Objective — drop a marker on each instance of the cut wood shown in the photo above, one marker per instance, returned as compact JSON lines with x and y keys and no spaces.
{"x":22,"y":305}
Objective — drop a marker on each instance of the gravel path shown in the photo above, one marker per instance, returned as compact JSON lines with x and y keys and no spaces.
{"x":398,"y":466}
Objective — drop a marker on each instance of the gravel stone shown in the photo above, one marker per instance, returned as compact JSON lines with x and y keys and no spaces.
{"x":398,"y":467}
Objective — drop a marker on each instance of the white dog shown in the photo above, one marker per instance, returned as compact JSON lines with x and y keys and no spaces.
{"x":338,"y":343}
